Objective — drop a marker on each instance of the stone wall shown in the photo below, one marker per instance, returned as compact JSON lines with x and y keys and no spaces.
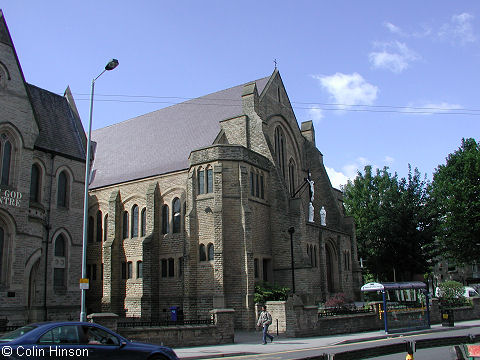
{"x":294,"y":319}
{"x":221,"y":332}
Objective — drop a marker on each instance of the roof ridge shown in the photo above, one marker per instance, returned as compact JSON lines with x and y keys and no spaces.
{"x":5,"y":36}
{"x":184,"y":102}
{"x":51,"y":92}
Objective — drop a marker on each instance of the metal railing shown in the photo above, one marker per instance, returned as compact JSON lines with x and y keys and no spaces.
{"x":344,"y":311}
{"x":142,"y":323}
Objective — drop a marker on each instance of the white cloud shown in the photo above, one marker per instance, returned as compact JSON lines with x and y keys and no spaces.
{"x":393,"y":28}
{"x":349,"y":171}
{"x":338,"y":179}
{"x":441,"y":107}
{"x":348,"y":89}
{"x":315,"y":113}
{"x":388,"y":160}
{"x":431,"y":108}
{"x":459,"y":29}
{"x":394,"y":56}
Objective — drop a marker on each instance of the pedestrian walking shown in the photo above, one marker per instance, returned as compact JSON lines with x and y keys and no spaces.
{"x":264,"y":320}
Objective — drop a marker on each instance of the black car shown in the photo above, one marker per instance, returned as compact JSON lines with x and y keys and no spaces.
{"x":67,"y":340}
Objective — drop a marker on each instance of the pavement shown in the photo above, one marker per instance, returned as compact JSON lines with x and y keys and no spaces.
{"x":250,"y":343}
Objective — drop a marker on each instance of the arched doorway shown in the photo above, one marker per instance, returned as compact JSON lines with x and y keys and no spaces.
{"x":32,"y":292}
{"x":330,"y":283}
{"x":331,"y":261}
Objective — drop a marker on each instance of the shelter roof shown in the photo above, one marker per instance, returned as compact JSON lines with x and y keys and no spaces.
{"x":373,"y":286}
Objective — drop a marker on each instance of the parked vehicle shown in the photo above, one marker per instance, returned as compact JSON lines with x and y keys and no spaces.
{"x":468,"y":292}
{"x":62,"y":340}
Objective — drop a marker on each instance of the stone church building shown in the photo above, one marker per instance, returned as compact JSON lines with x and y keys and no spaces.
{"x":42,"y":167}
{"x":191,"y":206}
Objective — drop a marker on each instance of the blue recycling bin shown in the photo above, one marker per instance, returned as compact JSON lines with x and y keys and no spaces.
{"x":174,"y":313}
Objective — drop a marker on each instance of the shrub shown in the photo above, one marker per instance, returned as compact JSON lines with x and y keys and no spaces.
{"x":336,"y":301}
{"x":266,"y":292}
{"x":451,"y":294}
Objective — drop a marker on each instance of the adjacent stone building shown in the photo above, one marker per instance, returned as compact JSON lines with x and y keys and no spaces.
{"x":190,"y":206}
{"x":42,"y":166}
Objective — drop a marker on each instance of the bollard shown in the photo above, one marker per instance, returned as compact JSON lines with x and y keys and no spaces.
{"x":410,"y":349}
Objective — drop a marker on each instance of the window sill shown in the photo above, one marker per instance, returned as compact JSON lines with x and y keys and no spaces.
{"x":205,"y":196}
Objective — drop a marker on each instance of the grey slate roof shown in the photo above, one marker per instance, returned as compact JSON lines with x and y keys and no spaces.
{"x":161,"y":141}
{"x":60,"y":129}
{"x":4,"y":33}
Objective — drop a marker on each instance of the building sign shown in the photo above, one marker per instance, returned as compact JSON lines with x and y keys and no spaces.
{"x":10,"y":198}
{"x":372,"y":287}
{"x":84,"y":284}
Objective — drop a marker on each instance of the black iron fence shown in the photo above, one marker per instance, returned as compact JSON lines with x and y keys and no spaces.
{"x":344,"y":311}
{"x":142,"y":323}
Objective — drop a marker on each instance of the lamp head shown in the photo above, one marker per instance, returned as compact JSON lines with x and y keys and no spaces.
{"x":112,"y":64}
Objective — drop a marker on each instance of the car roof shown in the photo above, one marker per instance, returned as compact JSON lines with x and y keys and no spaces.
{"x":42,"y":327}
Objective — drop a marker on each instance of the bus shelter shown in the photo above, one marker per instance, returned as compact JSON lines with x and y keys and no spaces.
{"x":405,"y":305}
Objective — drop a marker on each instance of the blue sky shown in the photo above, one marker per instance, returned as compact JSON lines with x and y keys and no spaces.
{"x":385,"y":83}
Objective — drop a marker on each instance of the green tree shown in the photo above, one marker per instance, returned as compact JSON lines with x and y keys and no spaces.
{"x":455,"y":195}
{"x":393,"y":227}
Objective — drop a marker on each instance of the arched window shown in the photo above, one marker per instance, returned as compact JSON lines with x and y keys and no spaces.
{"x":143,"y":222}
{"x":59,"y":272}
{"x":62,"y":190}
{"x":164,"y":268}
{"x":210,"y":251}
{"x":177,"y":215}
{"x":262,"y":187}
{"x":135,"y":221}
{"x":315,"y":255}
{"x":105,"y":228}
{"x":99,"y":226}
{"x":184,"y":214}
{"x":291,"y":176}
{"x":252,"y":183}
{"x":139,"y":269}
{"x":35,"y":184}
{"x":60,"y":246}
{"x":203,"y":255}
{"x":6,"y":147}
{"x":129,"y":270}
{"x":171,"y":267}
{"x":280,"y":148}
{"x":125,"y":224}
{"x":90,"y":229}
{"x":201,"y":181}
{"x":209,"y":179}
{"x":165,"y":220}
{"x":2,"y":245}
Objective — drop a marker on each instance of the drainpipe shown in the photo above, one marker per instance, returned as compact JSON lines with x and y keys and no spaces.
{"x":47,"y":237}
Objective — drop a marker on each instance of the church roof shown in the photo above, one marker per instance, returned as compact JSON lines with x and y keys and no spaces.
{"x":161,"y":141}
{"x":60,"y":128}
{"x":4,"y":33}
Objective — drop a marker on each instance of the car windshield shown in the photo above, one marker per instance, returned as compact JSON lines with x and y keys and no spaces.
{"x":12,"y":335}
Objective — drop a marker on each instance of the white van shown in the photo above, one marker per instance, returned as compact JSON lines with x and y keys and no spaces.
{"x":469,"y":292}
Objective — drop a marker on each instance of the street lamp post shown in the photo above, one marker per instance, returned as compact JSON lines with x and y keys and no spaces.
{"x":112,"y":64}
{"x":291,"y":231}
